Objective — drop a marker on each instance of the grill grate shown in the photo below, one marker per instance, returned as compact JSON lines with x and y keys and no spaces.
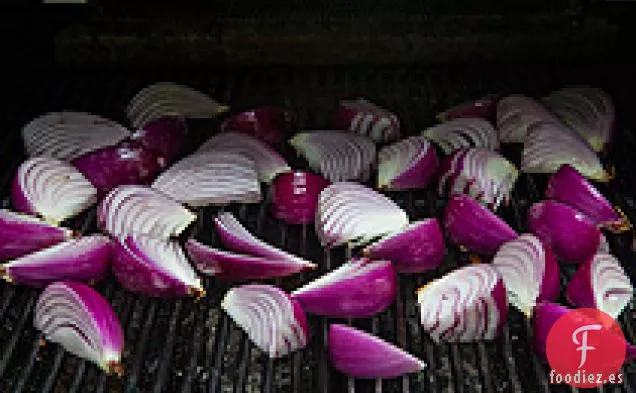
{"x":186,"y":346}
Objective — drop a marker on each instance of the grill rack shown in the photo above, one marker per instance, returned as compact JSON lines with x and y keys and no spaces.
{"x":201,"y":349}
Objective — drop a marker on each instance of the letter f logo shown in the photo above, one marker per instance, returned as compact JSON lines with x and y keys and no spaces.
{"x":584,"y":347}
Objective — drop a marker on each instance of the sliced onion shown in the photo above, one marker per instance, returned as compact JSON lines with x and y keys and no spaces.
{"x":269,"y":124}
{"x":352,"y":213}
{"x":409,"y":163}
{"x":417,"y":248}
{"x":587,"y":110}
{"x":271,"y":319}
{"x":154,"y":267}
{"x":229,"y":266}
{"x":567,"y":185}
{"x":603,"y":246}
{"x":21,"y":234}
{"x":481,"y":173}
{"x":81,"y":320}
{"x":51,"y":189}
{"x":294,"y":196}
{"x":483,"y":108}
{"x":517,"y":115}
{"x":530,"y":272}
{"x":66,"y":135}
{"x":211,"y":178}
{"x":163,"y":99}
{"x":601,"y":283}
{"x":474,"y":228}
{"x":234,"y":236}
{"x":463,"y":133}
{"x":361,"y":355}
{"x":466,"y":305}
{"x":84,"y":259}
{"x":165,"y":136}
{"x":268,"y":162}
{"x":359,"y":288}
{"x":337,"y":155}
{"x":140,"y":209}
{"x":127,"y":163}
{"x":363,"y":117}
{"x":571,"y":235}
{"x":550,"y":146}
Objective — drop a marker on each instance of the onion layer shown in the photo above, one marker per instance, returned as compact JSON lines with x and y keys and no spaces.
{"x":463,"y":133}
{"x":272,"y":320}
{"x":165,"y":136}
{"x":517,"y":115}
{"x":359,"y":288}
{"x":468,"y":304}
{"x":294,"y":196}
{"x":81,"y":320}
{"x":352,"y":213}
{"x":361,"y":355}
{"x":409,"y":163}
{"x":363,"y":117}
{"x":483,"y":108}
{"x":51,"y":189}
{"x":269,"y":124}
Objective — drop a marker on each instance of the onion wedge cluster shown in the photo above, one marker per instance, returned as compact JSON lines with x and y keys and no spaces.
{"x":366,"y":118}
{"x":66,"y":135}
{"x":354,"y":214}
{"x":211,"y":178}
{"x":337,"y":155}
{"x":463,"y":133}
{"x":360,"y":288}
{"x":517,"y":115}
{"x":163,"y":136}
{"x":294,"y":196}
{"x":163,"y":99}
{"x":272,"y":320}
{"x":361,"y":355}
{"x":467,"y":305}
{"x":267,"y":160}
{"x":530,"y":272}
{"x":139,"y":209}
{"x":406,"y":164}
{"x":269,"y":124}
{"x":51,"y":189}
{"x":483,"y":108}
{"x":81,"y":320}
{"x":481,"y":173}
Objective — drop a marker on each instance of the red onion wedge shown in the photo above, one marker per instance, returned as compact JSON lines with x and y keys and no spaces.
{"x":474,"y":228}
{"x":21,"y":234}
{"x":481,"y":173}
{"x":468,"y":304}
{"x":571,"y":235}
{"x":164,"y":136}
{"x":483,"y":108}
{"x":361,"y":355}
{"x":360,"y":288}
{"x":417,"y":248}
{"x":406,"y":164}
{"x":601,"y":283}
{"x":337,"y":155}
{"x":587,"y":110}
{"x":211,"y":178}
{"x":269,"y":124}
{"x":85,"y":259}
{"x":230,"y":266}
{"x":530,"y":272}
{"x":127,"y":163}
{"x":568,"y":186}
{"x":463,"y":133}
{"x":66,"y":135}
{"x":140,"y":209}
{"x":154,"y":267}
{"x":271,"y":318}
{"x":294,"y":196}
{"x":550,"y":146}
{"x":517,"y":115}
{"x":51,"y":189}
{"x":163,"y":99}
{"x":82,"y":322}
{"x":354,"y":214}
{"x":363,"y":117}
{"x":235,"y":237}
{"x":268,"y":162}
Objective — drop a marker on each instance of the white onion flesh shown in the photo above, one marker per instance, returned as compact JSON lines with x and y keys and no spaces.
{"x":462,"y":133}
{"x":400,"y":157}
{"x":517,"y":115}
{"x":372,"y":120}
{"x":612,"y":288}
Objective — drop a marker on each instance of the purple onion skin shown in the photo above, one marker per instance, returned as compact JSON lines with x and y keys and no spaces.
{"x":19,"y":238}
{"x":572,"y":237}
{"x":125,"y":164}
{"x":414,"y":250}
{"x":19,"y":201}
{"x":269,"y":124}
{"x":579,"y":291}
{"x":500,"y":295}
{"x":419,"y":175}
{"x":472,"y":226}
{"x":568,"y":186}
{"x":165,"y":136}
{"x":551,"y":285}
{"x":294,"y":196}
{"x":483,"y":108}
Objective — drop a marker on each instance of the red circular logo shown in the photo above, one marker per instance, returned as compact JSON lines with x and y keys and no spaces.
{"x":585,"y":348}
